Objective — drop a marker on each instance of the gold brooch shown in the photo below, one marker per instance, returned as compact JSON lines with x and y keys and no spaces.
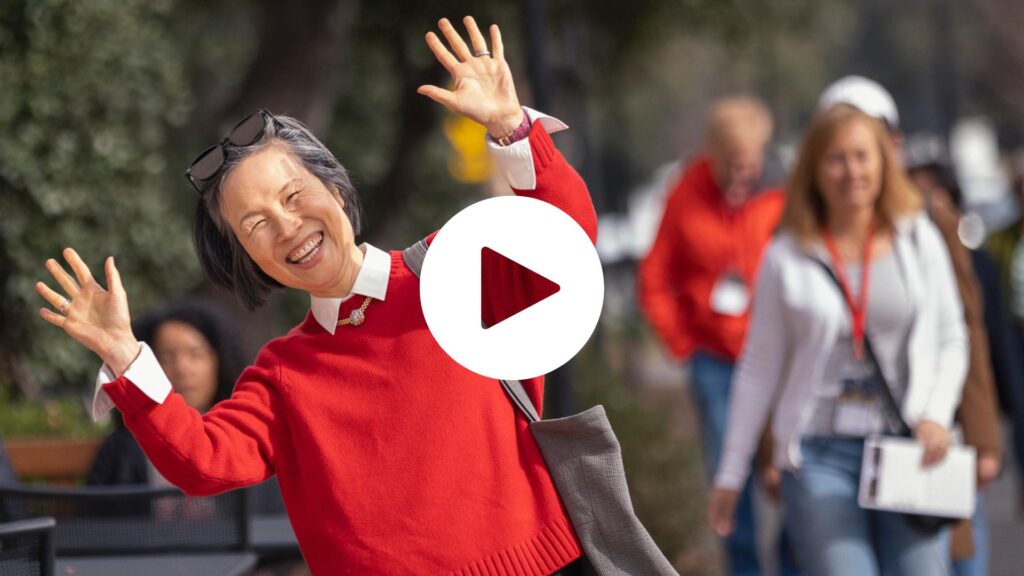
{"x":357,"y":316}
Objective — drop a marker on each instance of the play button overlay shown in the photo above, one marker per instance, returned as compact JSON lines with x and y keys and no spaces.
{"x":491,"y":263}
{"x":511,"y":288}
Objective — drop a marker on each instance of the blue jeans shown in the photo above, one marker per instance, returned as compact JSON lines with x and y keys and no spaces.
{"x":976,"y":565}
{"x":710,"y":381}
{"x":833,"y":536}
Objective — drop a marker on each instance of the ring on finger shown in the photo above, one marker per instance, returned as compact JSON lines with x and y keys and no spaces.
{"x":479,"y":53}
{"x":64,"y":307}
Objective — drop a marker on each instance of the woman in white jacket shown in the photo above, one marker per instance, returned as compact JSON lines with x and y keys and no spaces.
{"x":849,"y":207}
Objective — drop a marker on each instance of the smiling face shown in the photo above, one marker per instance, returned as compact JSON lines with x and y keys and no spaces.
{"x":849,"y":174}
{"x":291,"y":225}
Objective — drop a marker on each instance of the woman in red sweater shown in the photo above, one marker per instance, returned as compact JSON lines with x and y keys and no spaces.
{"x":392,"y":458}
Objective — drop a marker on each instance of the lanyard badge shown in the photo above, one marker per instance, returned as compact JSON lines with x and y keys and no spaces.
{"x":857,"y":409}
{"x":730,"y":296}
{"x":859,"y":306}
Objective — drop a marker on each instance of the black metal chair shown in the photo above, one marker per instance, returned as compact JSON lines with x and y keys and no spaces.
{"x":27,"y":547}
{"x":131,"y":520}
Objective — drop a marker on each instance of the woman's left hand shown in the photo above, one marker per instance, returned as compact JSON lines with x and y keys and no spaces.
{"x":935,"y":439}
{"x":989,"y":465}
{"x":483,"y":88}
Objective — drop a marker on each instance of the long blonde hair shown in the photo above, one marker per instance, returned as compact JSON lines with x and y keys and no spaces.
{"x":805,"y":213}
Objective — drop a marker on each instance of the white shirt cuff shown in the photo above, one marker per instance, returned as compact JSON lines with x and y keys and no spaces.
{"x":145,"y":373}
{"x":515,"y":161}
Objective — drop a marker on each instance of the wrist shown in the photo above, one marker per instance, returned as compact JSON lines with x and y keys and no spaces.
{"x":121,"y":353}
{"x":507,"y":125}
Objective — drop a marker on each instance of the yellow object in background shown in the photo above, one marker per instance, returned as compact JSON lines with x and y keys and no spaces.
{"x":470,"y":162}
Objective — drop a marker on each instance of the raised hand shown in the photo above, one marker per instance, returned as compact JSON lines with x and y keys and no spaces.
{"x":483,"y":90}
{"x":95,"y":317}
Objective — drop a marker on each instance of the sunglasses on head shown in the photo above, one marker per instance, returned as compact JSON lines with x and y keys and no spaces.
{"x":209,"y":161}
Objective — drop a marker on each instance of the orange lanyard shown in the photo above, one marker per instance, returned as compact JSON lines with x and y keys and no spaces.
{"x":858,"y":308}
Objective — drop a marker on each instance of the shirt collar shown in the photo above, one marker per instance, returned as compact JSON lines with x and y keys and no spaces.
{"x":372,"y":280}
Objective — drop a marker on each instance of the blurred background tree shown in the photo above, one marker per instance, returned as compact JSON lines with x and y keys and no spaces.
{"x":91,"y":91}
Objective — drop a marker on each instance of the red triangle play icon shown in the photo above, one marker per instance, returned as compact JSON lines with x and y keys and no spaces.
{"x":518,"y":287}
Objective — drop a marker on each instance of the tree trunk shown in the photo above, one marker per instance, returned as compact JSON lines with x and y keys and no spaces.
{"x":14,"y":316}
{"x":418,"y":117}
{"x":295,"y":71}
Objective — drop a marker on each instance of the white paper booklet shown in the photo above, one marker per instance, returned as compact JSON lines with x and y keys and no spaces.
{"x":892,"y":479}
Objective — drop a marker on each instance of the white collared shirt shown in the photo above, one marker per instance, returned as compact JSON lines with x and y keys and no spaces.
{"x":514,"y":162}
{"x":371,"y":280}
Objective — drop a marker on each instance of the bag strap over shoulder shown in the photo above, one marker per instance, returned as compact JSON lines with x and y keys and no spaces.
{"x":414,"y":256}
{"x":892,"y":407}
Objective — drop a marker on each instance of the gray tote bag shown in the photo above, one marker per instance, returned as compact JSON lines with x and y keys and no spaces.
{"x":585,"y":463}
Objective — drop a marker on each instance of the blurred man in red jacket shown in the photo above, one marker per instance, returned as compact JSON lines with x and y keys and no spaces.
{"x":697,"y":281}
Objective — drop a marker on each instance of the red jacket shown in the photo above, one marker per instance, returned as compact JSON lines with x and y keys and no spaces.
{"x":392,"y":458}
{"x":700,"y":240}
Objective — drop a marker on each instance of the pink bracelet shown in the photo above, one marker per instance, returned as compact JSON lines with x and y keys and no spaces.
{"x":521,"y":131}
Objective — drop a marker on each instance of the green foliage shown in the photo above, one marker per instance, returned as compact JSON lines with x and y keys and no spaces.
{"x":91,"y":93}
{"x":63,"y":418}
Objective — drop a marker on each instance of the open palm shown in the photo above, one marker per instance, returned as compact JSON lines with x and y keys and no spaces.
{"x":96,"y":317}
{"x":482,"y":90}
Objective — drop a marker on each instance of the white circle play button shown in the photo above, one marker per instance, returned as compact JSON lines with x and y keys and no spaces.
{"x":523,"y":267}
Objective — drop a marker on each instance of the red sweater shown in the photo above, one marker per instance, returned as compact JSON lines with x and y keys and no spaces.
{"x":701,"y":239}
{"x":392,"y":458}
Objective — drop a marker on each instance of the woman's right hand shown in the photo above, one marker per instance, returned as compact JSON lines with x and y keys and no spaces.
{"x":935,"y":439}
{"x":722,"y":510}
{"x":95,"y":317}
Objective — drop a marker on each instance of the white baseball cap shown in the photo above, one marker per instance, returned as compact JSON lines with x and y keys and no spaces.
{"x":862,"y":93}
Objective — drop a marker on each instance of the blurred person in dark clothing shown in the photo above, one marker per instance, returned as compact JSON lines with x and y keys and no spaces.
{"x":198,"y":349}
{"x":987,"y":324}
{"x":1007,"y":249}
{"x":696,"y":281}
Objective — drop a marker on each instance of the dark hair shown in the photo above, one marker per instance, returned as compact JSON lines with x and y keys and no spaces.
{"x":945,"y":177}
{"x":220,"y":333}
{"x":221,"y":255}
